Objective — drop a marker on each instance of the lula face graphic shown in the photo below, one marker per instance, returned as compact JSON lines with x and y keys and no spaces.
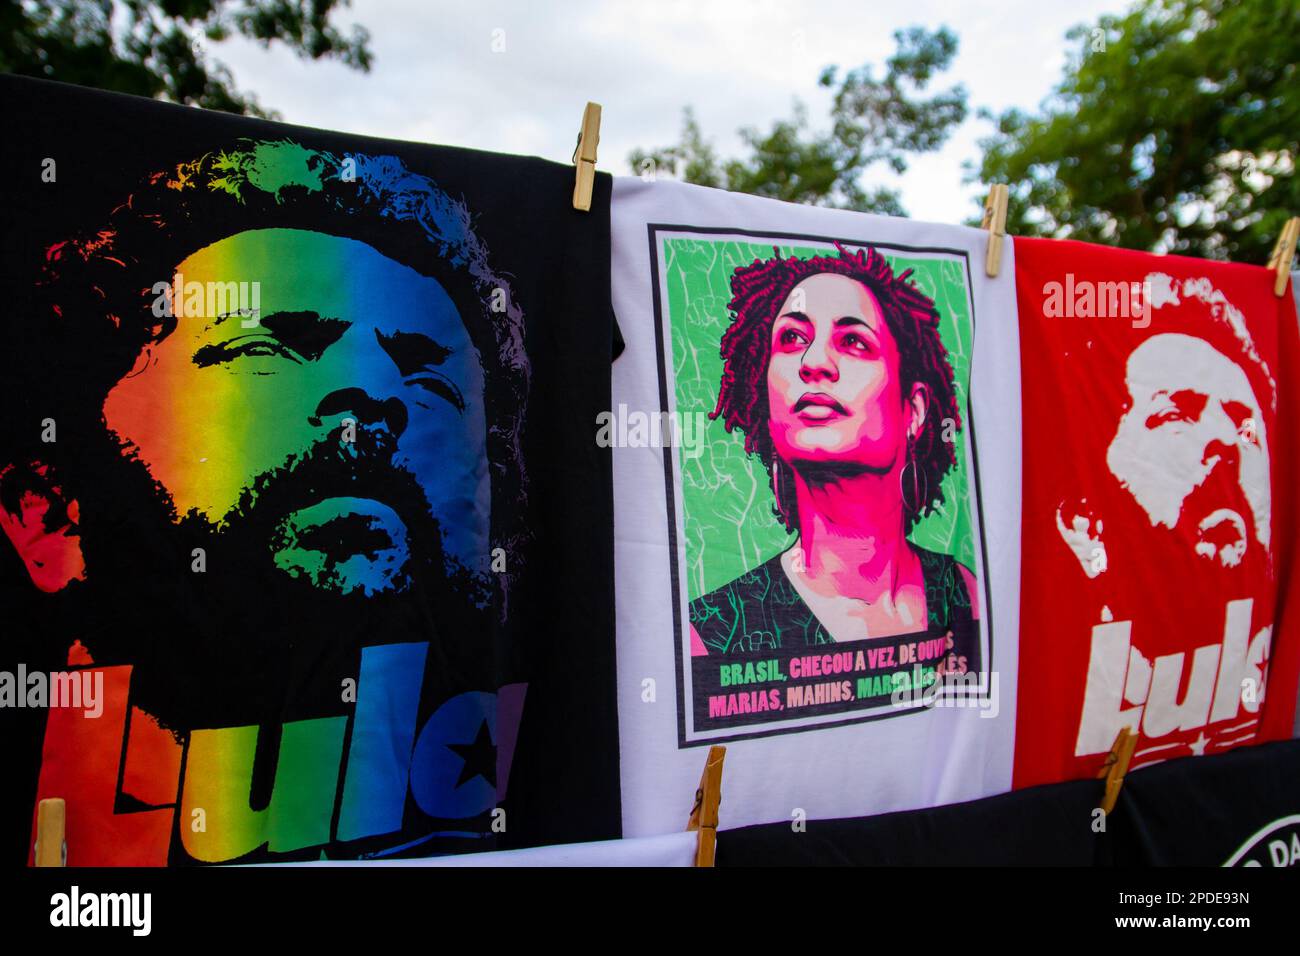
{"x":348,"y":344}
{"x":1192,"y":415}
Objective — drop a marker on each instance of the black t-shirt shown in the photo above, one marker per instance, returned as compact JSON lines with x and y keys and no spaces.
{"x":299,"y":482}
{"x":1237,"y":808}
{"x":1040,"y":826}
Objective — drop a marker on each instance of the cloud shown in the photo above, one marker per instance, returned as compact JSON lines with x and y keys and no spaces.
{"x":441,"y":73}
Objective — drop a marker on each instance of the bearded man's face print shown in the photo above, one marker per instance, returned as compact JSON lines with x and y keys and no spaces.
{"x":292,"y":428}
{"x":1191,"y":448}
{"x":331,"y":424}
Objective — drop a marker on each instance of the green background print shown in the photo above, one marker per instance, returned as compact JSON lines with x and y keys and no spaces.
{"x":726,"y":496}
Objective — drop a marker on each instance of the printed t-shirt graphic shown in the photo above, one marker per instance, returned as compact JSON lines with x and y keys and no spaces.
{"x":291,"y":516}
{"x":1159,"y":522}
{"x":812,"y":566}
{"x":837,"y":391}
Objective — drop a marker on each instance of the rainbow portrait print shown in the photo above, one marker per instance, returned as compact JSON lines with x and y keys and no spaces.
{"x":290,"y":396}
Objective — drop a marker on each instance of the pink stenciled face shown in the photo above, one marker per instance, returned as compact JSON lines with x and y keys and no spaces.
{"x":833,"y":383}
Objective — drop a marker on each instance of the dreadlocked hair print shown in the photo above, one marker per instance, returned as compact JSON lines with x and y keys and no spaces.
{"x":758,"y":292}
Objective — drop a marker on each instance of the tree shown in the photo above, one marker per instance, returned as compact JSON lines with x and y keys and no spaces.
{"x":872,"y":121}
{"x":1174,"y":129}
{"x":153,"y":47}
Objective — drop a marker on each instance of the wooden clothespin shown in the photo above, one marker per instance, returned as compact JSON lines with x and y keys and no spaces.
{"x":704,"y":815}
{"x":995,"y":221}
{"x":51,"y":848}
{"x":1116,"y":766}
{"x":1283,"y":252}
{"x":584,"y":157}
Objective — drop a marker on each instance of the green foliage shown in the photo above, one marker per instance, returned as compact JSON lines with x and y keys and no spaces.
{"x":154,"y":47}
{"x":872,"y":121}
{"x":1174,"y":129}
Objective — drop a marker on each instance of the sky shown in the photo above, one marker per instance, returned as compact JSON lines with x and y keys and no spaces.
{"x":514,"y":76}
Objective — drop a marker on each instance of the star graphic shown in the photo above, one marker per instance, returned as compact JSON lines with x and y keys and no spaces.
{"x":1198,"y":745}
{"x":480,"y":757}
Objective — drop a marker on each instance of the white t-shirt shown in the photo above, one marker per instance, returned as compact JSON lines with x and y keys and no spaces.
{"x":819,"y":681}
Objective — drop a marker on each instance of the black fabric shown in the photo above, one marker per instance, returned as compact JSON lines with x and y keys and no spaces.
{"x":618,"y":344}
{"x":383,"y":537}
{"x":1041,"y":826}
{"x":1242,"y":807}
